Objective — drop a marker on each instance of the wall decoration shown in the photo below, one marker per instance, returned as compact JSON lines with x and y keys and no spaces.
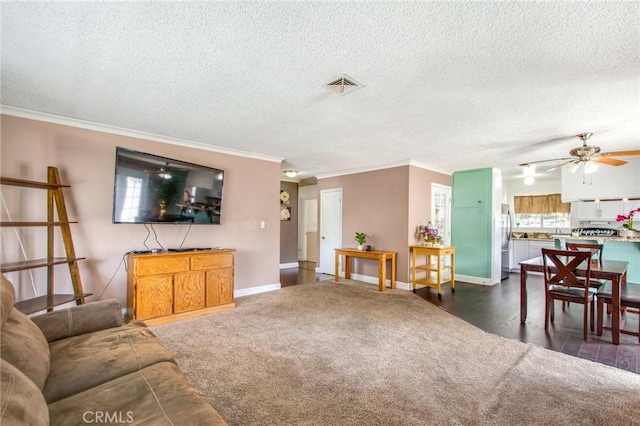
{"x":285,"y":210}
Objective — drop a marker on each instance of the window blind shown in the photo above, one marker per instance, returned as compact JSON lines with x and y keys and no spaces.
{"x":540,"y":204}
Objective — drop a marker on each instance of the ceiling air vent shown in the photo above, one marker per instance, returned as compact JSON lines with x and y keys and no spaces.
{"x":343,"y":84}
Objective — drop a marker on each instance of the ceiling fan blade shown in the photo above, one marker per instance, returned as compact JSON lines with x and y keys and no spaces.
{"x":610,"y":161}
{"x":620,"y":153}
{"x":545,"y":161}
{"x":561,"y":165}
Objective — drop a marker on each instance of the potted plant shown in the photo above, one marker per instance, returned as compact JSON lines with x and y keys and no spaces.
{"x":361,"y":238}
{"x":628,"y":230}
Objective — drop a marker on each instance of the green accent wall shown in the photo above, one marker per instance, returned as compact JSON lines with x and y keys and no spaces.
{"x":471,"y":220}
{"x":625,"y":250}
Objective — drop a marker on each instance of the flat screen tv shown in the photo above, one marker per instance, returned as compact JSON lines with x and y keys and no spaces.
{"x":152,"y":189}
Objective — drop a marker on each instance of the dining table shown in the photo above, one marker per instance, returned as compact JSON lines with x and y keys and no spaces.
{"x":611,"y":270}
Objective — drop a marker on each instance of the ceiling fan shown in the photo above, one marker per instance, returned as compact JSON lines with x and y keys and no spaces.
{"x":162,"y":172}
{"x":587,"y":155}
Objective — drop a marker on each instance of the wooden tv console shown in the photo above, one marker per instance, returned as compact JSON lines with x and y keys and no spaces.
{"x":169,"y":286}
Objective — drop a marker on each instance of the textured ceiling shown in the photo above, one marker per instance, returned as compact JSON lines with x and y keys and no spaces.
{"x":451,"y":85}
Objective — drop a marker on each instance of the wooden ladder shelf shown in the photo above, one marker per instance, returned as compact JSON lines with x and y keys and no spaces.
{"x":55,"y":205}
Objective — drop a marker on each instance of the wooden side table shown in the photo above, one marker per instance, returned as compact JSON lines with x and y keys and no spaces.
{"x":380,"y":256}
{"x":436,"y":268}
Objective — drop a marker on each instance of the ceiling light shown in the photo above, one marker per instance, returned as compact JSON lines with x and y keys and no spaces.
{"x":290,"y":173}
{"x":528,"y":180}
{"x":529,"y":170}
{"x":573,"y":167}
{"x":590,"y":167}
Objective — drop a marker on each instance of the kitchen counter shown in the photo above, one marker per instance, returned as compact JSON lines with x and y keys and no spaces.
{"x":614,"y":248}
{"x":595,"y":238}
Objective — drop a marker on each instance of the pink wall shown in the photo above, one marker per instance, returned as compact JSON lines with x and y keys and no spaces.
{"x":420,"y":181}
{"x":86,"y":160}
{"x":387,"y":205}
{"x":289,"y":228}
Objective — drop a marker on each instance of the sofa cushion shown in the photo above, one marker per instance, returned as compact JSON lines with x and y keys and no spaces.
{"x":21,"y":402}
{"x":82,"y":362}
{"x":156,"y":395}
{"x":81,"y":319}
{"x":23,"y":345}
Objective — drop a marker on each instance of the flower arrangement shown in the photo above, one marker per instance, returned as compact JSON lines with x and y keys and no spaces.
{"x":628,"y":218}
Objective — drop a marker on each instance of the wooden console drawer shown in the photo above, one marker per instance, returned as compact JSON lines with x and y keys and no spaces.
{"x":211,"y":260}
{"x":161,"y":265}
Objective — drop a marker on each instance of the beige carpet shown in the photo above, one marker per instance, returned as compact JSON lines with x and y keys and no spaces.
{"x":347,"y":354}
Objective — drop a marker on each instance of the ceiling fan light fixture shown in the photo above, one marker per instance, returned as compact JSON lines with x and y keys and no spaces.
{"x":529,"y":180}
{"x":529,"y":170}
{"x":573,"y":166}
{"x":590,"y":167}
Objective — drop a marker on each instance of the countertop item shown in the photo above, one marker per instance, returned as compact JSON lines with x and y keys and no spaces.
{"x":597,"y":238}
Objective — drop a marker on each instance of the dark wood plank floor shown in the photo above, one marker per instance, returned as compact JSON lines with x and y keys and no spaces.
{"x":496,"y":309}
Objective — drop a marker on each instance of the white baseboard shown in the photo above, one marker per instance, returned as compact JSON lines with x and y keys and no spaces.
{"x":474,"y":280}
{"x":256,"y":290}
{"x":289,"y":265}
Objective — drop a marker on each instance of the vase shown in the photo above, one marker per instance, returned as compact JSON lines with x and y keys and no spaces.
{"x":627,"y":233}
{"x":360,"y":247}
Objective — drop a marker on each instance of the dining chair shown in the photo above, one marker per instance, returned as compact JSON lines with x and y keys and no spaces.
{"x":596,"y":255}
{"x":595,"y":249}
{"x":562,"y":283}
{"x":629,"y":298}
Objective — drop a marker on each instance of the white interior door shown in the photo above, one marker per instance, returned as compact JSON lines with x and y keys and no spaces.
{"x":330,"y":228}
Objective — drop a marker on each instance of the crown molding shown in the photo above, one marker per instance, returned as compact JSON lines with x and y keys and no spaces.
{"x":288,"y":179}
{"x":430,"y":167}
{"x":90,"y":125}
{"x":413,"y":163}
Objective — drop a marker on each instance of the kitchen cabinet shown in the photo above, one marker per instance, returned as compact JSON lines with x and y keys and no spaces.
{"x":628,"y":205}
{"x":598,"y":210}
{"x":520,"y":253}
{"x":524,"y":249}
{"x":472,"y":188}
{"x":476,"y":196}
{"x":606,"y":183}
{"x":535,"y":247}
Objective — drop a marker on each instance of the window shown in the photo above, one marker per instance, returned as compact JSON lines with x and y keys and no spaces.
{"x":542,"y":211}
{"x":131,"y":200}
{"x":546,"y":220}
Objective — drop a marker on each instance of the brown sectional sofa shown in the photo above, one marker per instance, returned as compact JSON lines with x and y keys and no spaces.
{"x":82,"y":365}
